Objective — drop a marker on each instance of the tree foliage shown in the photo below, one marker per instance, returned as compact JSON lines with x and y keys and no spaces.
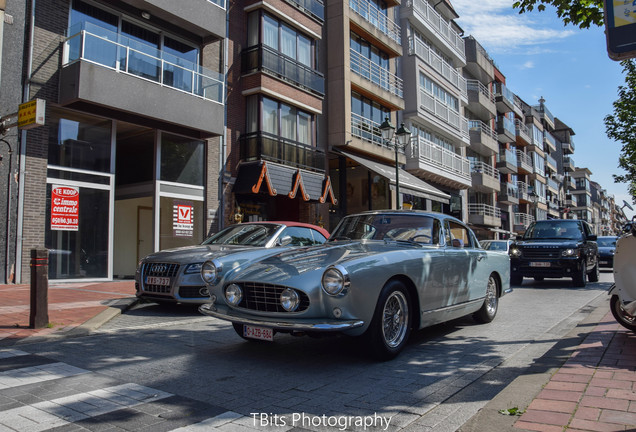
{"x":581,"y":13}
{"x":621,"y":126}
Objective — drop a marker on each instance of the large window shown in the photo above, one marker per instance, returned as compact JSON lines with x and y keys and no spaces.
{"x":182,"y":160}
{"x":434,"y":89}
{"x":280,"y":119}
{"x":369,"y":52}
{"x":368,"y":109}
{"x":281,"y":37}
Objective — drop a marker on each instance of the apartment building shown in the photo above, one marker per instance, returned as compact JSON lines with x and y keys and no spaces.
{"x":600,"y":209}
{"x":276,"y":161}
{"x":433,"y":59}
{"x":563,"y":135}
{"x":127,"y":162}
{"x":582,"y":194}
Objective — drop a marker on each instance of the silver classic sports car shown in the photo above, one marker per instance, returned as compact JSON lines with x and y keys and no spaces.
{"x":380,"y":275}
{"x":174,"y":275}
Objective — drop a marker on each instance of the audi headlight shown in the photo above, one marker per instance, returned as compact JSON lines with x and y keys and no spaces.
{"x":570,"y":252}
{"x":210,"y":270}
{"x":289,"y":300}
{"x":233,"y":294}
{"x":515,"y":252}
{"x":335,"y":280}
{"x":193,"y":268}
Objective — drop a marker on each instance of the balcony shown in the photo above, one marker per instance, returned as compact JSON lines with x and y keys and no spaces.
{"x":524,"y":163}
{"x":568,"y":164}
{"x":522,"y":221}
{"x":451,"y":74}
{"x":518,"y":107}
{"x":262,"y":58}
{"x":483,"y":139}
{"x":545,"y":115}
{"x":569,"y":183}
{"x":506,"y":131}
{"x":432,"y":162}
{"x":264,"y":146}
{"x":481,"y":100}
{"x":524,"y":137}
{"x":205,"y":18}
{"x":485,"y":178}
{"x":504,"y":98}
{"x":434,"y":27}
{"x":550,"y":163}
{"x":524,"y":194}
{"x":313,"y":8}
{"x":507,"y":162}
{"x":553,"y":208}
{"x":553,"y":185}
{"x":131,"y":79}
{"x":549,"y":142}
{"x":568,"y":147}
{"x":371,"y":72}
{"x":484,"y":214}
{"x":509,"y":193}
{"x":478,"y":62}
{"x":569,"y":201}
{"x":430,"y":104}
{"x":375,"y":23}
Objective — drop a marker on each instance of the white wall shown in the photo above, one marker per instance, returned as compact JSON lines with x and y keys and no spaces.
{"x":125,"y":242}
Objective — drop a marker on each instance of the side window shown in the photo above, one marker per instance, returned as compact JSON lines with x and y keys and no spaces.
{"x":460,"y":237}
{"x":317,"y":237}
{"x":447,"y":234}
{"x":300,"y":236}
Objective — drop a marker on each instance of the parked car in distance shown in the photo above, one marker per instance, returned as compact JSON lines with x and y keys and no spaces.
{"x":380,"y":275}
{"x":606,"y":250}
{"x":174,"y":275}
{"x":496,"y":245}
{"x":555,"y":248}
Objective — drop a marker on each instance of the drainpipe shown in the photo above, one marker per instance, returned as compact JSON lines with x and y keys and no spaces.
{"x":223,"y":150}
{"x":7,"y":279}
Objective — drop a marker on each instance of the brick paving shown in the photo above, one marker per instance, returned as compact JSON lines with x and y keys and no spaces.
{"x":595,"y":390}
{"x":70,"y":305}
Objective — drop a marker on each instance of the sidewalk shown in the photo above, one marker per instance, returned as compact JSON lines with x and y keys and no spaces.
{"x":74,"y":308}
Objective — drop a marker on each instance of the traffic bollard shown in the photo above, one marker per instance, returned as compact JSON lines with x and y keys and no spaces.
{"x":39,"y":317}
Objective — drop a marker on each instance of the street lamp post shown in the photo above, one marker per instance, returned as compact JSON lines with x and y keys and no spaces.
{"x":403,"y":136}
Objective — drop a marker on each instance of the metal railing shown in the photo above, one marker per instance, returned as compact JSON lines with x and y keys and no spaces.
{"x":315,"y":8}
{"x":478,"y":86}
{"x":424,"y":52}
{"x":377,"y":18}
{"x":266,"y":146}
{"x":522,"y":130}
{"x":505,"y":92}
{"x":484,"y":209}
{"x":523,"y":219}
{"x":507,"y":124}
{"x":481,"y":127}
{"x":549,"y":140}
{"x":428,"y":152}
{"x":376,"y":74}
{"x":266,"y":59}
{"x":368,"y":130}
{"x":553,"y":184}
{"x":477,"y":167}
{"x":430,"y":103}
{"x":103,"y":47}
{"x":551,"y":162}
{"x":567,"y":160}
{"x":509,"y":189}
{"x":524,"y":159}
{"x":425,"y":11}
{"x":507,"y":156}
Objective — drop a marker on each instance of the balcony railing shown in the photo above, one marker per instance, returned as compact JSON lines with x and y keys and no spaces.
{"x":440,"y":109}
{"x":478,"y":86}
{"x":377,"y":18}
{"x":314,"y":8}
{"x":510,"y":189}
{"x":553,"y":184}
{"x":378,"y":75}
{"x":523,"y":219}
{"x":551,"y":162}
{"x":265,"y":146}
{"x":507,"y":156}
{"x":524,"y":159}
{"x":424,"y":52}
{"x":484,"y":210}
{"x":569,"y":162}
{"x":440,"y":157}
{"x":425,"y":11}
{"x":522,"y":130}
{"x":97,"y":45}
{"x":507,"y":124}
{"x":368,"y":130}
{"x":549,"y":140}
{"x":263,"y":58}
{"x":484,"y":168}
{"x":481,"y":127}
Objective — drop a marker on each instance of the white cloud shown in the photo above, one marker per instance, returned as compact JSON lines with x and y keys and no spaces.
{"x":527,"y":65}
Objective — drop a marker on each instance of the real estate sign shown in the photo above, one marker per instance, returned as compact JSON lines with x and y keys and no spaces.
{"x":183,"y":219}
{"x":64,"y":208}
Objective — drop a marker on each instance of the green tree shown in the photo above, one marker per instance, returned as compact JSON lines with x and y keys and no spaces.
{"x":581,"y":13}
{"x":621,"y":126}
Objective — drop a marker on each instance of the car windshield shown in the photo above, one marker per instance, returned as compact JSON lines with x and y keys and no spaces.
{"x":417,"y":228}
{"x":606,"y":241}
{"x":554,"y":230}
{"x":248,"y":234}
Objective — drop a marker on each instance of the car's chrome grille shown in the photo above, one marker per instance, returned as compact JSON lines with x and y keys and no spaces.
{"x":266,"y":297}
{"x":541,"y":253}
{"x":158,"y":270}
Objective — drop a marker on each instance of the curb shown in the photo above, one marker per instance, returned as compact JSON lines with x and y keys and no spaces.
{"x":523,"y":389}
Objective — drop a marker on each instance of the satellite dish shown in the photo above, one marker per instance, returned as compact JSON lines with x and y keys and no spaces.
{"x":626,"y":204}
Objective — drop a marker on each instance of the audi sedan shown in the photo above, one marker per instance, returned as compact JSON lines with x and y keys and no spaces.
{"x":381,"y":275}
{"x":174,"y":275}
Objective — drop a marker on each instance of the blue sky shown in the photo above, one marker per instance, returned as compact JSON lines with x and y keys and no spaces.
{"x":569,"y":67}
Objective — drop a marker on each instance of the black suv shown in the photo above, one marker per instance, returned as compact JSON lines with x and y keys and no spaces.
{"x":555,"y":249}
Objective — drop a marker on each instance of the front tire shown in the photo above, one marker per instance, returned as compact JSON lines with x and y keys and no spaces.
{"x":593,"y":277}
{"x":578,"y":280}
{"x":391,"y":324}
{"x":623,"y":318}
{"x":488,"y":310}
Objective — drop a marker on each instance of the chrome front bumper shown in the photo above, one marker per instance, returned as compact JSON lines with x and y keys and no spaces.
{"x":277,"y":323}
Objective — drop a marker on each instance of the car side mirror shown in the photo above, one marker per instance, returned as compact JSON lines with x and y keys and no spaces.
{"x":284,"y":241}
{"x":593,"y":237}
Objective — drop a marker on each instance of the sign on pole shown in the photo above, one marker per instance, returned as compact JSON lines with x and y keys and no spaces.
{"x":31,"y":114}
{"x":620,"y":28}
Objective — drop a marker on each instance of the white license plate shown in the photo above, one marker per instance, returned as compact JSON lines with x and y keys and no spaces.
{"x":156,"y":280}
{"x":539,"y":264}
{"x":603,"y":262}
{"x":258,"y":333}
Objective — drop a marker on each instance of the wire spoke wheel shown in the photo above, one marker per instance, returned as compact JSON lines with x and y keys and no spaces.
{"x":395,"y":319}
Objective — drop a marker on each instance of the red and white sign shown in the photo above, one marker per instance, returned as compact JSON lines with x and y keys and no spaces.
{"x":65,"y":208}
{"x":183,"y":219}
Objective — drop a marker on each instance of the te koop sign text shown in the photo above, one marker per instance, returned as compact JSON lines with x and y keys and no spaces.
{"x":65,"y":208}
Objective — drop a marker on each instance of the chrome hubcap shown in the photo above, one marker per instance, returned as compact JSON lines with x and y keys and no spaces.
{"x":491,"y":296}
{"x":395,"y":319}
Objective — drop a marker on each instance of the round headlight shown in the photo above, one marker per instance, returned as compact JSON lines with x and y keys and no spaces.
{"x":289,"y":300}
{"x":208,"y":272}
{"x":333,"y":281}
{"x":515,"y":252}
{"x":233,"y":294}
{"x":569,"y":252}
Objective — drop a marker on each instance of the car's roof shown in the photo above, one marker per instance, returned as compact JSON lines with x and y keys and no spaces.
{"x":292,"y":224}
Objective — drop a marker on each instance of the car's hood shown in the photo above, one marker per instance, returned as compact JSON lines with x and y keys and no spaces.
{"x":198,"y":252}
{"x":606,"y":249}
{"x":293,"y":263}
{"x":548,"y":243}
